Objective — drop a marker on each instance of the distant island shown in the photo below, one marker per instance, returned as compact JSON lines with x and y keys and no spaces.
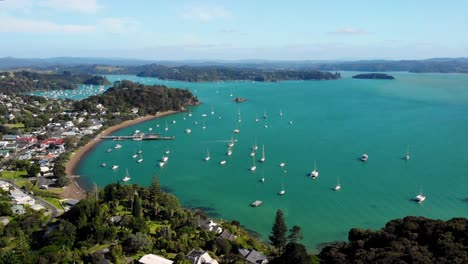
{"x":374,"y":76}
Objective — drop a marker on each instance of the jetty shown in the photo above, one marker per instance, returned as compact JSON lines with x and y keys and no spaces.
{"x":138,"y":137}
{"x":256,"y":203}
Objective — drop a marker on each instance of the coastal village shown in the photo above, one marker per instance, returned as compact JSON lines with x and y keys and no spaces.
{"x":30,"y":156}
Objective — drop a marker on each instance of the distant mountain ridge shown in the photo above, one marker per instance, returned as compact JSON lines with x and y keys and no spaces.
{"x":440,"y":65}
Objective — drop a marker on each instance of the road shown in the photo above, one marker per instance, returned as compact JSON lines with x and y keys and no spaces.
{"x":40,"y":201}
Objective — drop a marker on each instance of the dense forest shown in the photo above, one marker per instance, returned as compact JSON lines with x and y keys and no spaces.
{"x":27,"y":81}
{"x":408,"y":240}
{"x":126,"y":95}
{"x":215,"y":73}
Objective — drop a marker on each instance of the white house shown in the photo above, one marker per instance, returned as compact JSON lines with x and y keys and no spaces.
{"x":200,"y":257}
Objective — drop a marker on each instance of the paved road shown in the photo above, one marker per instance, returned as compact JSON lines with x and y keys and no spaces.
{"x":40,"y":201}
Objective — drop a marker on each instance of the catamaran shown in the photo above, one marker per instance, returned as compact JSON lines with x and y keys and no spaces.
{"x":420,"y":197}
{"x":127,"y":176}
{"x":262,"y":159}
{"x":407,"y":156}
{"x":314,"y":174}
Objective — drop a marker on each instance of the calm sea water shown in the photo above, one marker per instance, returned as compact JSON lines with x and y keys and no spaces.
{"x":334,"y":122}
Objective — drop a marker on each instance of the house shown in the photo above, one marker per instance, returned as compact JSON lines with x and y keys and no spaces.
{"x":18,"y":209}
{"x":4,"y":153}
{"x":116,"y":219}
{"x":200,"y":256}
{"x":154,"y":259}
{"x":10,"y":116}
{"x":253,"y":256}
{"x":9,"y":137}
{"x":4,"y":186}
{"x":52,"y":141}
{"x":212,"y":226}
{"x":19,"y":197}
{"x":134,"y":110}
{"x":227,"y":235}
{"x":3,"y":144}
{"x":4,"y":220}
{"x":37,"y":207}
{"x":29,"y":140}
{"x":68,"y":134}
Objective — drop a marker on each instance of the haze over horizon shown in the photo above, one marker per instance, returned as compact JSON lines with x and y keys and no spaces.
{"x":233,"y":30}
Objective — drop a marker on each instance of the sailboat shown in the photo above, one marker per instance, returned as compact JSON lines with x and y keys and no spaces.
{"x":256,"y":118}
{"x":262,"y":159}
{"x":254,"y":167}
{"x":337,"y":186}
{"x":314,"y":174}
{"x":420,"y":197}
{"x":252,"y":154}
{"x":255,"y":147}
{"x":207,"y":158}
{"x":283,"y":191}
{"x":230,"y":93}
{"x":239,"y":119}
{"x":140,"y":159}
{"x":264,"y":114}
{"x":407,"y":156}
{"x":166,"y":128}
{"x":190,"y":113}
{"x":231,"y":143}
{"x":114,"y":167}
{"x":281,"y":112}
{"x":212,"y":110}
{"x":204,"y":126}
{"x":127,"y":176}
{"x":229,"y":152}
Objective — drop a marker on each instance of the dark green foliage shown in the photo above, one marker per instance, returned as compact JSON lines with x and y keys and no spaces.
{"x":408,"y":240}
{"x":136,"y":242}
{"x":295,"y":234}
{"x":9,"y":257}
{"x":294,"y":253}
{"x":33,"y":170}
{"x":278,"y":231}
{"x":96,"y":80}
{"x":219,"y":73}
{"x":126,"y":95}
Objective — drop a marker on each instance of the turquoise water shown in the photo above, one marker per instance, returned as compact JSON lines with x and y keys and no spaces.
{"x":334,"y":122}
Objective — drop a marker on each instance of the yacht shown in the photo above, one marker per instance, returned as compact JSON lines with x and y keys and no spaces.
{"x":140,"y":159}
{"x":114,"y":167}
{"x":166,"y":128}
{"x":190,"y":113}
{"x":212,"y":110}
{"x":231,"y":143}
{"x":204,"y":126}
{"x":254,"y":167}
{"x":407,"y":156}
{"x":203,"y":115}
{"x":420,"y":197}
{"x":173,"y":121}
{"x":364,"y":157}
{"x":229,"y":152}
{"x":134,"y":156}
{"x":252,"y":154}
{"x":337,"y":186}
{"x":168,"y":151}
{"x":314,"y":174}
{"x":140,"y":151}
{"x":222,"y":162}
{"x":164,"y":158}
{"x":262,"y":159}
{"x":283,"y":191}
{"x":290,"y":122}
{"x":161,"y":164}
{"x":127,"y":177}
{"x":281,"y":113}
{"x":103,"y":164}
{"x":118,"y":146}
{"x":150,"y":129}
{"x":207,"y":158}
{"x":282,"y":164}
{"x":188,"y":131}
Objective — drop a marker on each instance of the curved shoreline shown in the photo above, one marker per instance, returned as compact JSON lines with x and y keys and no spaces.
{"x":73,"y":190}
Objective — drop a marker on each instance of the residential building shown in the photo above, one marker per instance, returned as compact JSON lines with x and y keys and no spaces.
{"x":200,"y":257}
{"x":154,"y":259}
{"x":253,"y":256}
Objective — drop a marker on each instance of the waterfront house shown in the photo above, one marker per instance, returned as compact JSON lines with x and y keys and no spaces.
{"x":227,"y":235}
{"x":154,"y":259}
{"x":212,"y":226}
{"x":200,"y":257}
{"x":253,"y":256}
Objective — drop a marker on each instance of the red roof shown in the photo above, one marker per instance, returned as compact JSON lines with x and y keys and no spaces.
{"x":56,"y":141}
{"x":27,"y":139}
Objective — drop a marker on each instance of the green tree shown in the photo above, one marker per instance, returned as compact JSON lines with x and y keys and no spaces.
{"x":278,"y":231}
{"x":295,"y":234}
{"x":33,"y":170}
{"x":294,"y":253}
{"x":136,"y":208}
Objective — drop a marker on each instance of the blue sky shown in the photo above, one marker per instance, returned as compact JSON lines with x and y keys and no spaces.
{"x":236,"y":29}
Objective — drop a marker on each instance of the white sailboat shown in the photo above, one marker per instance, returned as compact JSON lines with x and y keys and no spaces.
{"x":229,"y":152}
{"x":407,"y":156}
{"x":127,"y":176}
{"x":231,"y":143}
{"x":262,"y":159}
{"x":283,"y":191}
{"x":252,"y":154}
{"x":166,"y":128}
{"x":222,"y":162}
{"x":253,"y":167}
{"x":314,"y":174}
{"x":282,"y":164}
{"x":190,"y":113}
{"x":114,"y":167}
{"x":164,"y":158}
{"x":161,"y":164}
{"x":264,"y":114}
{"x":188,"y":131}
{"x":255,"y":147}
{"x":337,"y":186}
{"x":281,"y":112}
{"x":212,"y":110}
{"x":420,"y":197}
{"x":204,"y":126}
{"x":140,"y":159}
{"x":256,"y":118}
{"x":207,"y":157}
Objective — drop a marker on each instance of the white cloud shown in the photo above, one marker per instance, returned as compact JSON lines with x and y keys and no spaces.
{"x":82,"y":6}
{"x":9,"y":5}
{"x":204,"y":13}
{"x":117,"y":24}
{"x":350,"y":31}
{"x":22,"y":25}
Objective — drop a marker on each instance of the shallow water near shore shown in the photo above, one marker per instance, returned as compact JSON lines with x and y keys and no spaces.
{"x":333,"y":122}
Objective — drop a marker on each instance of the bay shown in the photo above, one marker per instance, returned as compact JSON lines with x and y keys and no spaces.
{"x":334,"y":123}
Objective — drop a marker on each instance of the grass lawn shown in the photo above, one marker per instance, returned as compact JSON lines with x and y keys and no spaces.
{"x":97,"y":247}
{"x":14,"y":175}
{"x":18,"y":125}
{"x":54,"y":201}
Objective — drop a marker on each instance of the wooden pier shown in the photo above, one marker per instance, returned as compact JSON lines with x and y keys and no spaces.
{"x":139,"y":137}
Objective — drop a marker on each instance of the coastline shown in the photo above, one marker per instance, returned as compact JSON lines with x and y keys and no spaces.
{"x":73,"y":190}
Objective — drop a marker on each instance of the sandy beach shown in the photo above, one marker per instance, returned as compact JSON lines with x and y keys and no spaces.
{"x":73,"y":190}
